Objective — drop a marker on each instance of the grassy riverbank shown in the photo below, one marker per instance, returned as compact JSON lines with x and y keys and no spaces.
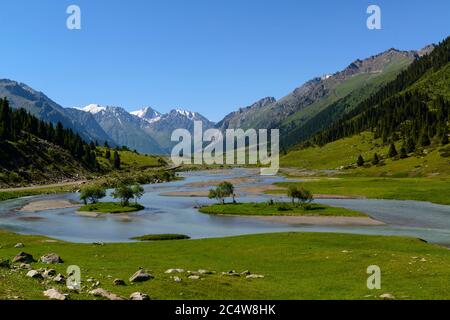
{"x":295,"y":266}
{"x":110,"y":207}
{"x":434,"y":190}
{"x":278,"y":209}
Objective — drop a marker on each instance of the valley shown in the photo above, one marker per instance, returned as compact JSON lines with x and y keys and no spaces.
{"x":367,"y":147}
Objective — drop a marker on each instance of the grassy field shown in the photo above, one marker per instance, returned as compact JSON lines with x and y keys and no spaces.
{"x":110,"y":207}
{"x":295,"y":266}
{"x":436,"y":190}
{"x":129,"y":160}
{"x":344,"y":153}
{"x":16,"y":193}
{"x":278,"y":209}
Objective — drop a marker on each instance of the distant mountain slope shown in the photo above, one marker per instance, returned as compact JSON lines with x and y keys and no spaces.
{"x":123,"y":127}
{"x":406,"y":122}
{"x":20,"y":95}
{"x":355,"y":83}
{"x":160,"y":126}
{"x":413,"y":105}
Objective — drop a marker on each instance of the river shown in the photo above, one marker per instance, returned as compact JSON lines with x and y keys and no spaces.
{"x":163,"y":214}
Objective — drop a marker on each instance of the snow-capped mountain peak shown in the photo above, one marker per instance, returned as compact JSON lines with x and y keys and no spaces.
{"x":148,"y":114}
{"x":186,"y":113}
{"x":93,"y":108}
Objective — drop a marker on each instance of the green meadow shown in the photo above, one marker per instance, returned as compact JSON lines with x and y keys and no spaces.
{"x":294,"y":266}
{"x":279,"y":209}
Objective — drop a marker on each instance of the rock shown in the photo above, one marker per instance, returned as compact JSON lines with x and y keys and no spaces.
{"x":35,"y":274}
{"x":25,"y":266}
{"x":231,"y":273}
{"x":254,"y":276}
{"x":423,"y":260}
{"x":23,"y":257}
{"x":174,"y":271}
{"x":98,"y":243}
{"x":99,"y":292}
{"x":5,"y":264}
{"x":119,"y":282}
{"x":19,"y":245}
{"x":51,"y":258}
{"x":140,"y":276}
{"x":177,"y":279}
{"x":49,"y":273}
{"x":59,"y":278}
{"x":54,"y":294}
{"x":193,"y":277}
{"x":245,"y":273}
{"x":139,"y":296}
{"x":204,"y":271}
{"x":387,"y":296}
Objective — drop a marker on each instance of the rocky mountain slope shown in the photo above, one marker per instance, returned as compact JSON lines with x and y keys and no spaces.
{"x":356,"y":82}
{"x":37,"y":103}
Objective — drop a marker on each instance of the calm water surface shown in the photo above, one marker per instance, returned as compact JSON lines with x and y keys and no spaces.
{"x":163,"y":214}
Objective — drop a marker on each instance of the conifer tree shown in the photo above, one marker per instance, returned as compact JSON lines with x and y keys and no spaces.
{"x":392,"y":151}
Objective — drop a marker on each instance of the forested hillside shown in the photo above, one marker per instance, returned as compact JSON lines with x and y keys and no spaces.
{"x":414,"y":107}
{"x":401,"y":129}
{"x":33,"y":150}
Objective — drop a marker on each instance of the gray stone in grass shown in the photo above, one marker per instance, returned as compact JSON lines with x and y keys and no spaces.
{"x":35,"y":274}
{"x":139,"y":296}
{"x":54,"y":294}
{"x":51,"y":258}
{"x":23,"y":257}
{"x":99,"y":292}
{"x":140,"y":276}
{"x":119,"y":282}
{"x":59,"y":278}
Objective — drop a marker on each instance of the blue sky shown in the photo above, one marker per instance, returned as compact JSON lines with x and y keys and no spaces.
{"x":210,"y":56}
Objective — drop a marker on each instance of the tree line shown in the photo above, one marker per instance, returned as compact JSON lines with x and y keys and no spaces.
{"x":19,"y":125}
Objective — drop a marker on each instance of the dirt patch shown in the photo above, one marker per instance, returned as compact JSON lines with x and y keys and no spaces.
{"x":191,"y":193}
{"x":43,"y":205}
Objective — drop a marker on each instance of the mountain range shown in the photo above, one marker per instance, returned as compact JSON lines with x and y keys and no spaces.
{"x":305,"y":111}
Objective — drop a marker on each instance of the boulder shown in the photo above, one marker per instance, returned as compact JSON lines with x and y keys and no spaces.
{"x":177,"y":279}
{"x":51,"y":258}
{"x":19,"y":245}
{"x":49,"y":273}
{"x":35,"y":274}
{"x":387,"y":296}
{"x":140,"y":276}
{"x":139,"y":296}
{"x":25,"y":266}
{"x":119,"y":282}
{"x":194,"y":277}
{"x":232,"y":273}
{"x":54,"y":294}
{"x":204,"y":271}
{"x":5,"y":264}
{"x":174,"y":271}
{"x":245,"y":273}
{"x":23,"y":257}
{"x":59,"y":278}
{"x":99,"y":292}
{"x":254,"y":276}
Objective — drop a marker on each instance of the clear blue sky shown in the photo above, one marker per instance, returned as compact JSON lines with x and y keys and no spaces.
{"x":210,"y":56}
